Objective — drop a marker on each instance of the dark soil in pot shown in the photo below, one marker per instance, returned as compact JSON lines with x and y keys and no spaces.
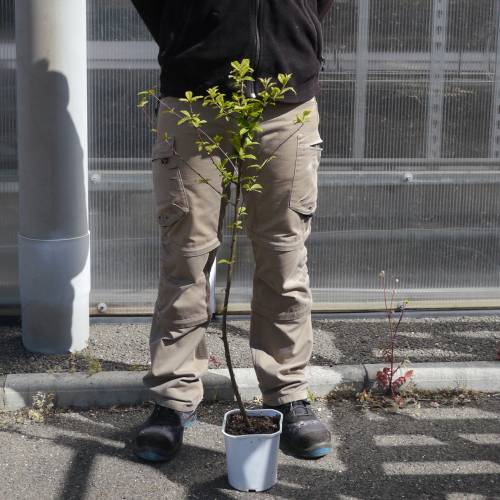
{"x":235,"y":425}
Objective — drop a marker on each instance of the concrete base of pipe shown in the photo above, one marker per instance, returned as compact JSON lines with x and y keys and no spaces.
{"x":54,"y":282}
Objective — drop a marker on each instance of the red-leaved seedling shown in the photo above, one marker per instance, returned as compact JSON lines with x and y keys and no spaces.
{"x":386,"y":380}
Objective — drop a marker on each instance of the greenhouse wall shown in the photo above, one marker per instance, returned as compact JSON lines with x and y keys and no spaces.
{"x":409,"y":178}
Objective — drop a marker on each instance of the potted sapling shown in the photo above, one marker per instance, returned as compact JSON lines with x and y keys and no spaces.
{"x":251,"y":436}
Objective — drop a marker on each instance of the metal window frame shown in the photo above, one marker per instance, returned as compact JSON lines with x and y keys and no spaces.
{"x":437,"y":78}
{"x":361,"y":87}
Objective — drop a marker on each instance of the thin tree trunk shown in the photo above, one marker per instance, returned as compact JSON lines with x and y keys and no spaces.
{"x":229,"y":277}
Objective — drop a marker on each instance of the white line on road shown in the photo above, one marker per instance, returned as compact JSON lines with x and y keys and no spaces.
{"x":479,"y":334}
{"x":465,"y":467}
{"x":465,"y":496}
{"x":407,"y":440}
{"x":482,"y":438}
{"x":450,"y":414}
{"x":424,"y":353}
{"x":416,"y":335}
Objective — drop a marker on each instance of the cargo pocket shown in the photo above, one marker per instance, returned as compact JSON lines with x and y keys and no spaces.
{"x":304,"y":191}
{"x":170,"y":195}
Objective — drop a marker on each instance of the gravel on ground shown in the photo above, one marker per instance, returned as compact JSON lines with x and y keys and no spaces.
{"x":124,"y":345}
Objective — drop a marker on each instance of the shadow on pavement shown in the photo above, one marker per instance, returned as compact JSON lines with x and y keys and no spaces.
{"x":440,"y":463}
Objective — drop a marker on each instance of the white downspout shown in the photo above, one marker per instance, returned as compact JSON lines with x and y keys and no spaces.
{"x":54,"y":271}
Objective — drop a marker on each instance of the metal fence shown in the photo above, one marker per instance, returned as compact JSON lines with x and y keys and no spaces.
{"x":410,"y":175}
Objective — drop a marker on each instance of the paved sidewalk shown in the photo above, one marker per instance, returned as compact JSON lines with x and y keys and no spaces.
{"x":438,"y":451}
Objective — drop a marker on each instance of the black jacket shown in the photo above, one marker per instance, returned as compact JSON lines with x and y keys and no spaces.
{"x":198,"y":39}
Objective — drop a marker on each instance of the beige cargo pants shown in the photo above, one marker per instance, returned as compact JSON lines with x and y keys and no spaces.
{"x":278,"y":224}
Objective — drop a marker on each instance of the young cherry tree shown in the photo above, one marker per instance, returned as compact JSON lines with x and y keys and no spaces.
{"x":238,"y":167}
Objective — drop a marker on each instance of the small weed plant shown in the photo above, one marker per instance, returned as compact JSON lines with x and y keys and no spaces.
{"x":93,"y":364}
{"x":238,"y":166}
{"x":386,"y":378}
{"x":42,"y":405}
{"x":78,"y":360}
{"x":391,"y":379}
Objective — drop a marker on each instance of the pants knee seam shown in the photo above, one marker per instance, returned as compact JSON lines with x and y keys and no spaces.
{"x":274,"y":245}
{"x":192,"y":321}
{"x":193,"y":252}
{"x":282,"y":316}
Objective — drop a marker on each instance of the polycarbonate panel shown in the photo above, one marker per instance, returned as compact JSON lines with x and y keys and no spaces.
{"x":114,"y":20}
{"x":396,"y":118}
{"x":420,"y":196}
{"x":472,"y":26}
{"x":467,"y":118}
{"x":399,"y":25}
{"x":7,"y":87}
{"x":410,"y":174}
{"x":9,"y":294}
{"x":410,"y":177}
{"x":125,"y":246}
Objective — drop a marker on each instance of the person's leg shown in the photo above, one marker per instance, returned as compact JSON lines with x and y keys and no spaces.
{"x":280,"y":327}
{"x":188,"y":215}
{"x":279,"y":223}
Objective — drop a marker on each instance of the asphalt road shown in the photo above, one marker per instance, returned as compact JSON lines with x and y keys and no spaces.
{"x":440,"y":450}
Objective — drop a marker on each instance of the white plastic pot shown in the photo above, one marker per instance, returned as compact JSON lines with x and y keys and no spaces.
{"x":252,"y":460}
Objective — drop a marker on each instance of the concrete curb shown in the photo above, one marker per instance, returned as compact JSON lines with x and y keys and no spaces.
{"x":104,"y":389}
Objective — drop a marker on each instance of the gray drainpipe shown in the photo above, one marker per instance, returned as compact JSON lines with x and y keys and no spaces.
{"x":54,"y":271}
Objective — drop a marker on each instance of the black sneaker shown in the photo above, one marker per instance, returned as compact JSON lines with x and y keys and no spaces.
{"x":160,"y":437}
{"x":303,"y":434}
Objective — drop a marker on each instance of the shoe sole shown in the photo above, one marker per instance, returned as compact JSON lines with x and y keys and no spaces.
{"x":150,"y":455}
{"x":317,"y":452}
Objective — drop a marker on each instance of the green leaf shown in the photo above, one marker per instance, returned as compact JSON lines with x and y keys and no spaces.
{"x":146,"y":92}
{"x":201,"y":145}
{"x":265,"y":82}
{"x":303,"y":117}
{"x":284,"y":78}
{"x":143,"y":101}
{"x":225,"y":261}
{"x":255,"y":187}
{"x":237,"y":224}
{"x":190,"y":98}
